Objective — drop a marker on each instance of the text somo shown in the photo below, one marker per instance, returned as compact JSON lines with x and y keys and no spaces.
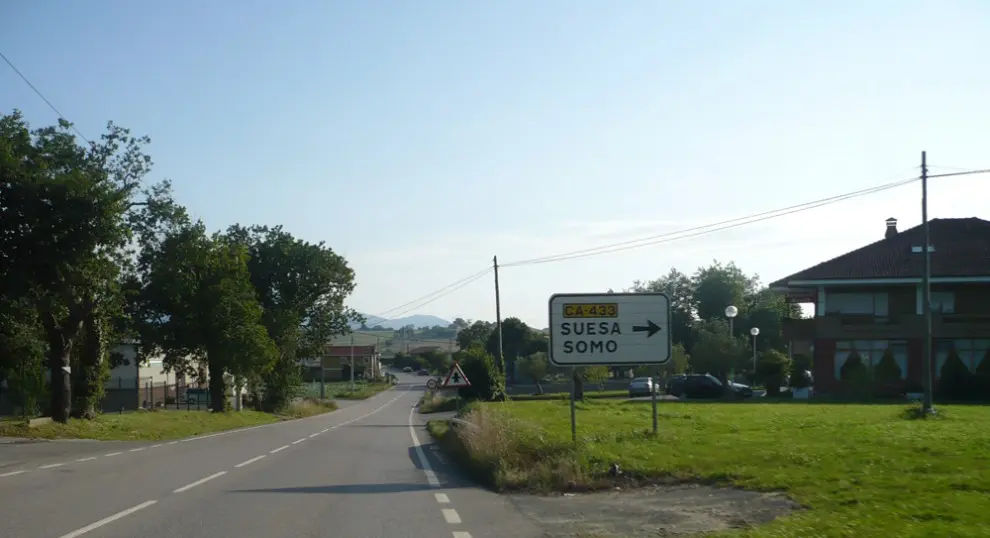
{"x":590,"y":328}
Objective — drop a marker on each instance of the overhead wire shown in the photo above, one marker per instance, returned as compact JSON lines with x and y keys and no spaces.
{"x":708,"y":228}
{"x":41,"y":95}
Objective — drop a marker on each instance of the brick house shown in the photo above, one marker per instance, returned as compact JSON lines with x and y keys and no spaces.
{"x":868,"y":304}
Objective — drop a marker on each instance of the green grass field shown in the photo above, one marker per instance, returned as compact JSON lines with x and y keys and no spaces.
{"x":341,"y":390}
{"x":863,"y":470}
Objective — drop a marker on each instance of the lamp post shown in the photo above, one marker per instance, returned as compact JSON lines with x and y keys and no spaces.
{"x":755,"y":331}
{"x":731,"y":312}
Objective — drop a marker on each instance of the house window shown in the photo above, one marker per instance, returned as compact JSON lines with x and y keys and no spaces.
{"x":857,"y":303}
{"x":970,"y":352}
{"x":944,"y":302}
{"x":870,"y":354}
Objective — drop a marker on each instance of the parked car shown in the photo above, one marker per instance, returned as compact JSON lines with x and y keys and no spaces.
{"x":642,"y":386}
{"x":704,"y":386}
{"x":407,"y":369}
{"x":423,"y":372}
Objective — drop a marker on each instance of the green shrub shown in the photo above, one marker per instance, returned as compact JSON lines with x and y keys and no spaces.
{"x":487,"y":383}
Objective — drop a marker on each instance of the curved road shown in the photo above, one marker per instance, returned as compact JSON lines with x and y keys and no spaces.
{"x":364,"y":471}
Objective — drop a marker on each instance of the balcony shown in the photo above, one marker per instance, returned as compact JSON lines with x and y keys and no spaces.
{"x":895,"y":327}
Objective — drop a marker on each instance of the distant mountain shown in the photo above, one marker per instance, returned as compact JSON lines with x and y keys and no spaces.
{"x":419,"y":321}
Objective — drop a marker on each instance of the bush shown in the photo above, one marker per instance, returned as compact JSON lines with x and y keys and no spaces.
{"x":956,"y":382}
{"x":800,"y":367}
{"x":771,"y":370}
{"x":487,"y":383}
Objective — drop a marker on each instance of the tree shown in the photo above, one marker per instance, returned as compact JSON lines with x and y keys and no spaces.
{"x":715,"y":352}
{"x":434,"y":361}
{"x":487,"y":383}
{"x":22,"y":352}
{"x":772,"y":368}
{"x":678,"y":364}
{"x":297,"y":283}
{"x":718,"y":286}
{"x":596,"y":374}
{"x":535,"y":367}
{"x":680,"y":291}
{"x":64,"y":209}
{"x":458,"y":324}
{"x":478,"y":332}
{"x":198,"y":305}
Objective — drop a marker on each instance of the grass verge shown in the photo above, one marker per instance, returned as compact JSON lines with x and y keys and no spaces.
{"x":362,"y":391}
{"x":864,"y":470}
{"x":431,"y":403}
{"x":161,"y":424}
{"x":590,"y":395}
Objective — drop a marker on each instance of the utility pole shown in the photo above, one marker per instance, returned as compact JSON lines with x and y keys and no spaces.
{"x":500,"y":360}
{"x":926,"y":285}
{"x":323,"y":376}
{"x":352,"y":362}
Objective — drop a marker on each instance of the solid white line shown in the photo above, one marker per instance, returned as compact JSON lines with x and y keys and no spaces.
{"x":12,"y":473}
{"x":198,"y":482}
{"x":249,"y":462}
{"x":451,"y":516}
{"x":442,"y":498}
{"x":51,"y":465}
{"x":91,"y":458}
{"x":137,"y":449}
{"x":431,"y":477}
{"x":110,"y":455}
{"x":297,"y":441}
{"x":279,"y":449}
{"x":104,"y":521}
{"x":462,"y":534}
{"x":325,"y":431}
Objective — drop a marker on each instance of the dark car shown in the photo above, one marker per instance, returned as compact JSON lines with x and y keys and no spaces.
{"x":704,"y":386}
{"x":423,"y":372}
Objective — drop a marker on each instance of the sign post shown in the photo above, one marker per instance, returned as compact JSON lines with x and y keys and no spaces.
{"x":614,"y":329}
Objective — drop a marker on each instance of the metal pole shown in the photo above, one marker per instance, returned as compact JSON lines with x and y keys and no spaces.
{"x":323,"y":376}
{"x":653,"y":395}
{"x":754,"y":355}
{"x":926,"y":284}
{"x":500,"y":359}
{"x":731,"y":332}
{"x":573,"y":410}
{"x":352,"y":362}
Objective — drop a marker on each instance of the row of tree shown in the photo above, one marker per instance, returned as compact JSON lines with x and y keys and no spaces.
{"x":90,"y":256}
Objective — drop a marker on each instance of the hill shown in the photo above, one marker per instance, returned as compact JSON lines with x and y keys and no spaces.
{"x":418,"y":321}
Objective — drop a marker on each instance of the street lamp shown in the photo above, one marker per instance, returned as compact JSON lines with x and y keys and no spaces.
{"x":731,"y":312}
{"x":755,"y":331}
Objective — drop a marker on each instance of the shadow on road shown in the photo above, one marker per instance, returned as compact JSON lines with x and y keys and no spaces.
{"x":344,"y":489}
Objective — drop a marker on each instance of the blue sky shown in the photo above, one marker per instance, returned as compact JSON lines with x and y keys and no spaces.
{"x":419,"y":139}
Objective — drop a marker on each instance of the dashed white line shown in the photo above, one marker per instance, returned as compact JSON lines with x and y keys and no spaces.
{"x":110,"y":519}
{"x":442,"y":498}
{"x":137,"y":449}
{"x":315,"y":434}
{"x":451,"y":516}
{"x":325,"y":430}
{"x":198,"y":482}
{"x":91,"y":458}
{"x":279,"y":449}
{"x":112,"y":454}
{"x":155,"y":446}
{"x":51,"y":465}
{"x":12,"y":473}
{"x":462,"y":534}
{"x":172,"y":443}
{"x":297,"y":441}
{"x":249,"y":462}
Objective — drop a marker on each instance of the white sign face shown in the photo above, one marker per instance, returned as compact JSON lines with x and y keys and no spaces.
{"x":613,"y":329}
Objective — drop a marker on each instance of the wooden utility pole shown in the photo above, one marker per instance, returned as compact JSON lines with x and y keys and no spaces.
{"x":926,"y":285}
{"x":500,"y":360}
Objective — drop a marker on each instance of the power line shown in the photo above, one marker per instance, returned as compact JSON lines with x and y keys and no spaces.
{"x":709,"y":228}
{"x":41,"y":95}
{"x":966,"y":173}
{"x":433,"y":296}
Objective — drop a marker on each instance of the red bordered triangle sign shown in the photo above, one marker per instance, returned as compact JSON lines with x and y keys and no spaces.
{"x":455,"y":378}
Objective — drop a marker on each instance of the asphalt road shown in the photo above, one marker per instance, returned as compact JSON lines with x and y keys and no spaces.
{"x":367,"y":470}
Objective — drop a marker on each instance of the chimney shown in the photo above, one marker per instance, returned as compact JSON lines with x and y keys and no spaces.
{"x":891,"y":228}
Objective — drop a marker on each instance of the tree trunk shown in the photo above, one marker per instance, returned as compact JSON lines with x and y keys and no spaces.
{"x":89,"y":392}
{"x":218,"y":396}
{"x":59,"y":355}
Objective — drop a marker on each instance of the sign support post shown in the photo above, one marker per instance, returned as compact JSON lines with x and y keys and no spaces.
{"x":653,"y":397}
{"x":573,"y":410}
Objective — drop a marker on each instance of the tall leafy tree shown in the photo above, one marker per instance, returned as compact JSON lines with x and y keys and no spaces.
{"x":680,"y":290}
{"x":478,"y":332}
{"x":720,"y":285}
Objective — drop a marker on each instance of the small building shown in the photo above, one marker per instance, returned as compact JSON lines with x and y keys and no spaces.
{"x":868,"y":305}
{"x":337,"y":362}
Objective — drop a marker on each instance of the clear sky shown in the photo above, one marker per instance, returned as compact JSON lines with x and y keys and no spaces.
{"x":420,"y":138}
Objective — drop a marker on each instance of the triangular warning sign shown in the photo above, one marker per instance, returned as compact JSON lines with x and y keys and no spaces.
{"x":455,"y":378}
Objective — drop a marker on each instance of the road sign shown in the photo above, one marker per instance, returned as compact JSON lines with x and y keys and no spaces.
{"x":455,"y":378}
{"x":614,"y":329}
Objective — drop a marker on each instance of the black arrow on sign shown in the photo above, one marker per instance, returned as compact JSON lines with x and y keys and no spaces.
{"x":650,"y":328}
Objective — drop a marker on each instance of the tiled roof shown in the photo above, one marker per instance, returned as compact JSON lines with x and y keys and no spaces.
{"x":961,"y":248}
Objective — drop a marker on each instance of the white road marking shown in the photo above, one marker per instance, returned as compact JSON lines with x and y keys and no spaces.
{"x":462,"y":534}
{"x":249,"y":462}
{"x":12,"y":473}
{"x":137,"y":449}
{"x":325,"y":431}
{"x":51,"y":465}
{"x":110,"y":519}
{"x":200,"y":481}
{"x":314,"y":434}
{"x":91,"y":458}
{"x":451,"y":516}
{"x":279,"y":449}
{"x":155,"y":446}
{"x":112,"y":454}
{"x":442,"y":498}
{"x":172,"y":443}
{"x":431,"y":476}
{"x":297,"y":441}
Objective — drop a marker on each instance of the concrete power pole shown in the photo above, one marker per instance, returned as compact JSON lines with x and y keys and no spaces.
{"x":352,"y":362}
